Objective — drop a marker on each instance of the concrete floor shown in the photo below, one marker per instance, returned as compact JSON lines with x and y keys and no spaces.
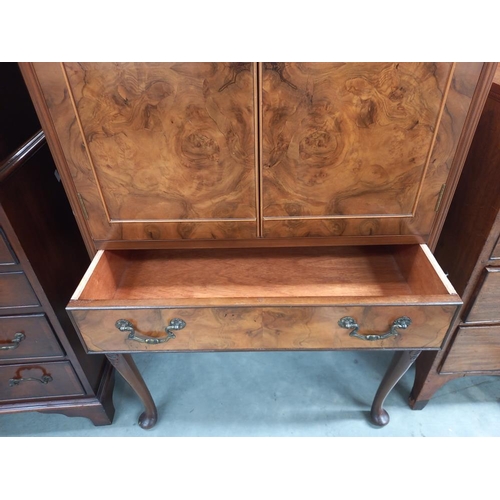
{"x":277,"y":394}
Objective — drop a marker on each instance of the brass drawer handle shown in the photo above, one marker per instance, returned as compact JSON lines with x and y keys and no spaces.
{"x":126,"y":326}
{"x":44,"y":380}
{"x":350,"y":323}
{"x":14,"y":343}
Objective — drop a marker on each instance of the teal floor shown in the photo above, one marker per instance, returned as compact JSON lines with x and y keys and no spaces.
{"x":314,"y":394}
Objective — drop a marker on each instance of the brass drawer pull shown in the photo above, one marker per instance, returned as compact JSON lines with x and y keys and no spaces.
{"x":350,"y":323}
{"x":126,"y":326}
{"x":44,"y":380}
{"x":14,"y":343}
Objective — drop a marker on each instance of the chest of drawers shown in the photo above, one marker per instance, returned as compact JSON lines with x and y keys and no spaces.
{"x":43,"y":366}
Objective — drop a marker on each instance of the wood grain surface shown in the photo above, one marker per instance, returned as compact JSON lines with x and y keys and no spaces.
{"x":158,"y":151}
{"x":351,"y":148}
{"x":64,"y":381}
{"x":257,"y":328}
{"x":16,"y":291}
{"x":243,"y":274}
{"x":287,"y":298}
{"x":475,"y":349}
{"x":39,"y":341}
{"x":485,"y":306}
{"x":472,"y":226}
{"x":348,"y":139}
{"x":346,"y":149}
{"x":464,"y":249}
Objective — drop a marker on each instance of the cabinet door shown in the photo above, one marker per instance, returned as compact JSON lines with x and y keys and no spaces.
{"x":158,"y":151}
{"x":359,"y":149}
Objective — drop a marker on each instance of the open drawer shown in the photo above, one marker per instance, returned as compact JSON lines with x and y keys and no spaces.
{"x":377,"y":297}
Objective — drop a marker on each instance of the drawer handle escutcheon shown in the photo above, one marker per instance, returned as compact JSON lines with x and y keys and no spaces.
{"x":350,"y":323}
{"x":126,"y":326}
{"x":14,"y":343}
{"x":44,"y":380}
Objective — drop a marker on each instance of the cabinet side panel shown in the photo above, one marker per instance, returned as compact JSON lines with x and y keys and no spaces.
{"x":472,"y":225}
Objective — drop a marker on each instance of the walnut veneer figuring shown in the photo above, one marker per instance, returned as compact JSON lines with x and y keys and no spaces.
{"x":159,"y":150}
{"x":237,"y":197}
{"x":168,"y":151}
{"x":262,"y":299}
{"x":358,"y":148}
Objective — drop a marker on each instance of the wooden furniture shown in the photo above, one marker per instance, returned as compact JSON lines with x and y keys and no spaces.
{"x":256,"y":206}
{"x":469,"y":251}
{"x":43,"y":365}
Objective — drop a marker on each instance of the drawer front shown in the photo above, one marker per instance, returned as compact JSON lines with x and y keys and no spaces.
{"x":44,"y":380}
{"x":474,"y":349}
{"x":7,"y":256}
{"x":486,"y":305}
{"x":266,"y":328}
{"x":16,"y":291}
{"x":27,"y":337}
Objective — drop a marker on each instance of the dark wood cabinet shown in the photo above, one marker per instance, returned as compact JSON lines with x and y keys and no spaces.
{"x":468,"y":250}
{"x":43,"y":365}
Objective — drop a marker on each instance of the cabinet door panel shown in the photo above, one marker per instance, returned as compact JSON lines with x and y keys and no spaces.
{"x":359,"y":148}
{"x":158,"y":150}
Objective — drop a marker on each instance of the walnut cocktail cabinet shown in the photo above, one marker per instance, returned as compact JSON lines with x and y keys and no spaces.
{"x":260,"y":206}
{"x":469,"y":251}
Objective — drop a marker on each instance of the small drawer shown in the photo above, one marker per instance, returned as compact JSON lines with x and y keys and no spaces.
{"x":474,"y":349}
{"x":264,"y":299}
{"x":44,"y":380}
{"x":7,"y":257}
{"x":27,"y":337}
{"x":16,"y":291}
{"x":486,"y":304}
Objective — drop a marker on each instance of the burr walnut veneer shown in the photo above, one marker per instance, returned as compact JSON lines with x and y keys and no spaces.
{"x":254,"y":206}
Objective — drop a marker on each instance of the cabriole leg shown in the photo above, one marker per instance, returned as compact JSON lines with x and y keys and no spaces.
{"x":127,"y":368}
{"x":400,"y":364}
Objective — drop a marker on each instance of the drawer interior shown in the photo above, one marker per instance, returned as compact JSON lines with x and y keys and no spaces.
{"x":181,"y":276}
